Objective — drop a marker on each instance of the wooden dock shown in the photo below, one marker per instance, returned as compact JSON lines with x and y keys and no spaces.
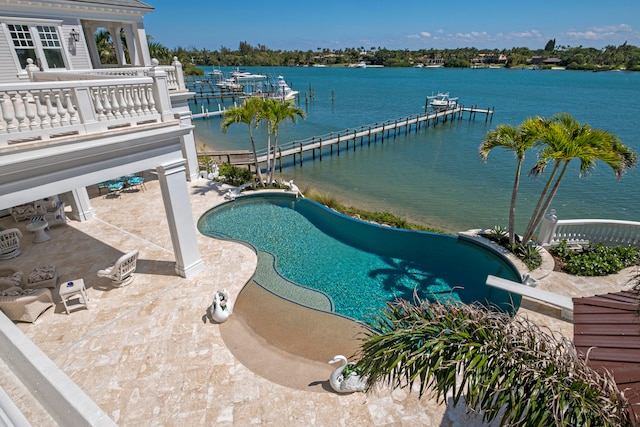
{"x":351,"y":137}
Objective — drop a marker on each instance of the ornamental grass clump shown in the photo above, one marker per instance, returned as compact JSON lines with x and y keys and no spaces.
{"x":505,"y":367}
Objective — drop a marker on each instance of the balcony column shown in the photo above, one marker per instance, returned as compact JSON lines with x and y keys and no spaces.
{"x":188,"y":147}
{"x":78,"y":199}
{"x":175,"y":196}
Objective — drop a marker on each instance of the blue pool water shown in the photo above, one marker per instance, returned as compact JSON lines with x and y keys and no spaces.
{"x":357,"y":265}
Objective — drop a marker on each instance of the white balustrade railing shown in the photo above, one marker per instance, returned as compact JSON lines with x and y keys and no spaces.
{"x":46,"y":110}
{"x":175,"y":76}
{"x":584,"y":231}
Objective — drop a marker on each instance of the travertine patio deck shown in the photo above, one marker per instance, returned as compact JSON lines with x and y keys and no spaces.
{"x":144,"y":354}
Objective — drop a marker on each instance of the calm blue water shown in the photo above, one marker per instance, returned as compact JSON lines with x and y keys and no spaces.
{"x":435,"y":177}
{"x":359,"y":265}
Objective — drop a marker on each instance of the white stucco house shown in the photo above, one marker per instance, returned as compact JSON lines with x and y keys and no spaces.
{"x":68,"y":121}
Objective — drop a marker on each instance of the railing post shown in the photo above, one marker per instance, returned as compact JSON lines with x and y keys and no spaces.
{"x":86,"y":110}
{"x":161,"y":91}
{"x":548,"y":228}
{"x":179,"y":74}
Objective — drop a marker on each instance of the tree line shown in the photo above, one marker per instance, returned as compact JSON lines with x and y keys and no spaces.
{"x":611,"y":57}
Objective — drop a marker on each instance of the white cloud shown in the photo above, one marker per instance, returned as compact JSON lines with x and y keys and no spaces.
{"x":425,"y":34}
{"x":587,"y":35}
{"x":612,"y":28}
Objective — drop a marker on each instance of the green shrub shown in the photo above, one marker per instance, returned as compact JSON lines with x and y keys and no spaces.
{"x":528,"y":254}
{"x":596,"y":259}
{"x":233,"y":175}
{"x":498,"y":234}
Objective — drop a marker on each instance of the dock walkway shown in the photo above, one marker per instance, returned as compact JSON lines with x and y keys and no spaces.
{"x":351,"y":137}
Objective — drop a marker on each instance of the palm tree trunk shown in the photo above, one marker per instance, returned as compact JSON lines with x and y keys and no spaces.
{"x":549,"y":199}
{"x":255,"y":159}
{"x":512,"y":207}
{"x":268,"y":154}
{"x":275,"y":153}
{"x":529,"y":230}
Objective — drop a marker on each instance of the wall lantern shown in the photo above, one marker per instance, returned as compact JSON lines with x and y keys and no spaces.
{"x":75,"y":35}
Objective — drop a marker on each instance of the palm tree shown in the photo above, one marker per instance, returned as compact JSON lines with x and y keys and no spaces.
{"x":566,"y":139}
{"x":518,"y":140}
{"x":104,"y":43}
{"x":246,"y":113}
{"x":160,"y":52}
{"x":505,"y":367}
{"x":274,"y":112}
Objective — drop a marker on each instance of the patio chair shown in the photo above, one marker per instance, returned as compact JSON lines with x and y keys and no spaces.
{"x":121,"y":272}
{"x":136,"y":182}
{"x":25,"y":305}
{"x":10,"y":243}
{"x":115,"y":187}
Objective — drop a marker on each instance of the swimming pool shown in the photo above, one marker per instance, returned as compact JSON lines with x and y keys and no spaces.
{"x":317,"y":257}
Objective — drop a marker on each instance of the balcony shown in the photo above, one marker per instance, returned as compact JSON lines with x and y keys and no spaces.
{"x":57,"y":105}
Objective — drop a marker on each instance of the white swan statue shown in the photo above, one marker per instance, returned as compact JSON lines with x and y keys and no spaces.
{"x":345,"y":385}
{"x":220,"y":308}
{"x":231,"y":194}
{"x":294,"y":188}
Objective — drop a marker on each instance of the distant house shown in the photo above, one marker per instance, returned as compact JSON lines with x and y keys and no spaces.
{"x":489,"y":58}
{"x":552,"y":61}
{"x":536,"y":60}
{"x":70,"y":121}
{"x":435,"y":60}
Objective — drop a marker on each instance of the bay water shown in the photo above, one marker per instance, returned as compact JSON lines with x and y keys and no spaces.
{"x":434,"y":176}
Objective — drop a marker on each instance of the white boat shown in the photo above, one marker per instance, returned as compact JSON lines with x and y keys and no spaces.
{"x":240,"y":74}
{"x":229,"y":84}
{"x":283,"y":91}
{"x":442,"y":101}
{"x":360,"y":64}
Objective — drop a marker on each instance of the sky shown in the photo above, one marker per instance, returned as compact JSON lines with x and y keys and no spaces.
{"x":401,"y":24}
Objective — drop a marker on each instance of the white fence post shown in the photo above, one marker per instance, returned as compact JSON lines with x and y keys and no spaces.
{"x":547,"y":228}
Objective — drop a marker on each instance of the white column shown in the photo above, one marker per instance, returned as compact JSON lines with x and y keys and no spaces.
{"x":132,"y":45}
{"x":175,"y":196}
{"x":188,"y":146}
{"x":548,"y":228}
{"x":78,"y":199}
{"x":143,"y":45}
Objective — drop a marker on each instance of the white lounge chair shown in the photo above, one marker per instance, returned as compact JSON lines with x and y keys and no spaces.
{"x":121,"y":272}
{"x":10,"y":243}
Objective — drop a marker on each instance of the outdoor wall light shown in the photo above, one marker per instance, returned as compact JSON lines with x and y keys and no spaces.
{"x":75,"y":35}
